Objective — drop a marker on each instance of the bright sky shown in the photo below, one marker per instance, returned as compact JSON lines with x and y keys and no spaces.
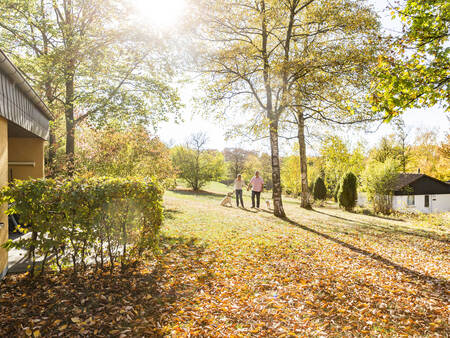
{"x":160,"y":13}
{"x":165,"y":13}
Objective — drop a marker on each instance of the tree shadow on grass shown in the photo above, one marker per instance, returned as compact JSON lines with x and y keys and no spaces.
{"x":249,"y":210}
{"x":388,"y":229}
{"x":367,"y":212}
{"x":197,"y":193}
{"x":171,"y":213}
{"x":441,"y":283}
{"x":137,"y":302}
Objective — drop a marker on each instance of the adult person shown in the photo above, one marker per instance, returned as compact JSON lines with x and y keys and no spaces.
{"x":257,"y":184}
{"x":238,"y":185}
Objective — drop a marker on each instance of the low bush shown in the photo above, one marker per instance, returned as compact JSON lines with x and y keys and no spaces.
{"x":86,"y":220}
{"x":378,"y":180}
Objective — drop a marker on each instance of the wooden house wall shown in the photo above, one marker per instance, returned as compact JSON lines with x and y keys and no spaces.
{"x":18,"y":109}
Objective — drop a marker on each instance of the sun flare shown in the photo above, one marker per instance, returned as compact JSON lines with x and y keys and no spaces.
{"x":160,"y":13}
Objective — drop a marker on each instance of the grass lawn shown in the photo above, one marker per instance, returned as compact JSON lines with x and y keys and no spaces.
{"x":320,"y":272}
{"x":234,"y":272}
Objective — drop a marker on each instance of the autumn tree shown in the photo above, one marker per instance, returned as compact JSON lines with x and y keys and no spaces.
{"x":402,"y":135}
{"x":290,"y":175}
{"x":252,"y":43}
{"x":414,"y":72}
{"x":336,"y":46}
{"x":387,"y":148}
{"x":197,"y":165}
{"x":337,"y":159}
{"x":426,"y":155}
{"x":132,"y":152}
{"x":236,"y":158}
{"x":88,"y":64}
{"x":444,"y":149}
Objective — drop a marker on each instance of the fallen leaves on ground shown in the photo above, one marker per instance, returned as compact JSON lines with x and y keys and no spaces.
{"x":233,"y":272}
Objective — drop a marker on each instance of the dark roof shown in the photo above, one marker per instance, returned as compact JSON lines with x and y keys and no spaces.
{"x":419,"y":184}
{"x":404,"y":180}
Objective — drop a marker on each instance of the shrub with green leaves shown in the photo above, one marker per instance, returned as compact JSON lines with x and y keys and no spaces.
{"x":320,"y":190}
{"x":378,"y":180}
{"x":102,"y":220}
{"x":348,"y":195}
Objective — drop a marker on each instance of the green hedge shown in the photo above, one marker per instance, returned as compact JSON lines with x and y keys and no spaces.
{"x":86,"y":220}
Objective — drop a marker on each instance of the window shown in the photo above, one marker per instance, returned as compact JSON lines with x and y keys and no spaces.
{"x":411,"y":200}
{"x":427,"y":201}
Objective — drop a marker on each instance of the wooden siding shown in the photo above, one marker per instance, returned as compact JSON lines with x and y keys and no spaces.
{"x":17,"y":108}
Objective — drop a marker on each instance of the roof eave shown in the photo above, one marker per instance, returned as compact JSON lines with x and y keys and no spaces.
{"x":17,"y":77}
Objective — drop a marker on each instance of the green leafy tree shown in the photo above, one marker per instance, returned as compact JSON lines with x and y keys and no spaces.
{"x":196,"y":165}
{"x":348,"y":195}
{"x":386,"y":149}
{"x":320,"y":190}
{"x":90,"y":63}
{"x":290,"y":175}
{"x":378,"y":182}
{"x":337,"y":159}
{"x":415,"y":72}
{"x":270,"y":54}
{"x":332,"y":70}
{"x":250,"y":51}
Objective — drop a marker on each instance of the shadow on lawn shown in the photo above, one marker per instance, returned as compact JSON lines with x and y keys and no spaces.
{"x":387,"y":229}
{"x":170,"y":213}
{"x":137,"y":302}
{"x":412,"y":273}
{"x":197,"y":193}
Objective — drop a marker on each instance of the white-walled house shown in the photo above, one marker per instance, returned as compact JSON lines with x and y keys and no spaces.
{"x":420,"y":193}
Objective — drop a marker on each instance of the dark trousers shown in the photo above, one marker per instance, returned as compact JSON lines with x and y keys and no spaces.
{"x":258,"y":197}
{"x":239,"y":197}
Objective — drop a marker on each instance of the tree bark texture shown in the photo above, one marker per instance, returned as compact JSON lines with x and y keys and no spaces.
{"x":303,"y":161}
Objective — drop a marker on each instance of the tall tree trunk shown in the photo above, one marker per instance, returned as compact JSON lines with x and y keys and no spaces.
{"x":69,"y":37}
{"x":273,"y":117}
{"x":278,"y":209}
{"x":50,"y":97}
{"x":303,"y":162}
{"x":70,"y":123}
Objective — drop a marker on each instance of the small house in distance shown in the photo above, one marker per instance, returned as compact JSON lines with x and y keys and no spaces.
{"x":420,"y":193}
{"x":24,"y":127}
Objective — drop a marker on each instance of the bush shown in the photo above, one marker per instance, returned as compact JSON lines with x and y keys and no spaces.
{"x":378,"y":181}
{"x":347,"y":195}
{"x":108,"y":220}
{"x":320,"y":191}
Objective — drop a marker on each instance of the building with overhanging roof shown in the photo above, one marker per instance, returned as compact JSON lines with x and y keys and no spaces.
{"x":24,"y":128}
{"x":420,"y":193}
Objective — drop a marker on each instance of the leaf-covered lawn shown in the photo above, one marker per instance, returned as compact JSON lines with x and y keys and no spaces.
{"x":234,"y":272}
